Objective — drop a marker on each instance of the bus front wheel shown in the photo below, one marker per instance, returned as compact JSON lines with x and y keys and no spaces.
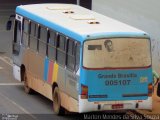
{"x":27,"y":89}
{"x":58,"y":109}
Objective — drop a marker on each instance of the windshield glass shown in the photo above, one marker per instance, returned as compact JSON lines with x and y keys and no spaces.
{"x":117,"y":53}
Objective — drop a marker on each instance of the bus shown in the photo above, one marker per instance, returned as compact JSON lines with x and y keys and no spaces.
{"x":81,"y":60}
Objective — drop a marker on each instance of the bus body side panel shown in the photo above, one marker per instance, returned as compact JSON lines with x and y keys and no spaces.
{"x":35,"y":74}
{"x":61,"y":78}
{"x":72,"y":82}
{"x":67,"y":83}
{"x":42,"y":73}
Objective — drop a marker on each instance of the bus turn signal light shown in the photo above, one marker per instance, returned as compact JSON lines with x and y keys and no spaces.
{"x":84,"y":92}
{"x":150,"y":90}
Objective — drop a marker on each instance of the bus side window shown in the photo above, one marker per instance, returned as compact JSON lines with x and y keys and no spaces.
{"x":77,"y":56}
{"x":61,"y":42}
{"x":61,"y":53}
{"x":33,"y":36}
{"x":70,"y":55}
{"x":52,"y":45}
{"x":25,"y":37}
{"x":42,"y":41}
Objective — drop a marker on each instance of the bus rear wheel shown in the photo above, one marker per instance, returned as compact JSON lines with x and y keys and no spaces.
{"x":57,"y":108}
{"x":27,"y":89}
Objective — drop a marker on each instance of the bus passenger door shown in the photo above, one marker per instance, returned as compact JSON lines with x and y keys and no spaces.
{"x":16,"y":48}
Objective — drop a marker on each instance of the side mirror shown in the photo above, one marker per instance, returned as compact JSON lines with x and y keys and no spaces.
{"x":158,"y":90}
{"x":9,"y":25}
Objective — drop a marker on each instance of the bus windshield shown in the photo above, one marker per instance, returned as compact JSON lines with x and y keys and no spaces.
{"x":117,"y":53}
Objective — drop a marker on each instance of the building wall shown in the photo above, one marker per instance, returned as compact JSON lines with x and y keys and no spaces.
{"x":143,"y":14}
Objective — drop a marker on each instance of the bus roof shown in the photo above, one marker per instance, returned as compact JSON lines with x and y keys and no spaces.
{"x":77,"y":22}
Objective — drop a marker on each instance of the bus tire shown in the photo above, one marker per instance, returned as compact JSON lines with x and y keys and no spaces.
{"x":57,"y":108}
{"x":27,"y":89}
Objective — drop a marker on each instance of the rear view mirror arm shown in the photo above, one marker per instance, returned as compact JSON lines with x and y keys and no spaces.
{"x":9,"y":23}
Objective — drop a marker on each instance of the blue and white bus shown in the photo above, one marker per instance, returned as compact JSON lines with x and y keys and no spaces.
{"x":81,"y":60}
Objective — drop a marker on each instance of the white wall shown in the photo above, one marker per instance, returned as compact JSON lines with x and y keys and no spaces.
{"x":143,"y":14}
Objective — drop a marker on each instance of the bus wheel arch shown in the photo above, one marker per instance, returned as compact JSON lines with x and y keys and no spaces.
{"x":23,"y":70}
{"x":57,"y":108}
{"x":24,"y":78}
{"x":54,"y":86}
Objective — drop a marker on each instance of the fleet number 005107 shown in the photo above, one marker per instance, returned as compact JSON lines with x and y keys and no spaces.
{"x":117,"y":82}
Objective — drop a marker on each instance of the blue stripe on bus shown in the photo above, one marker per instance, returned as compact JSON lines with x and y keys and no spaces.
{"x":74,"y":35}
{"x":46,"y":64}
